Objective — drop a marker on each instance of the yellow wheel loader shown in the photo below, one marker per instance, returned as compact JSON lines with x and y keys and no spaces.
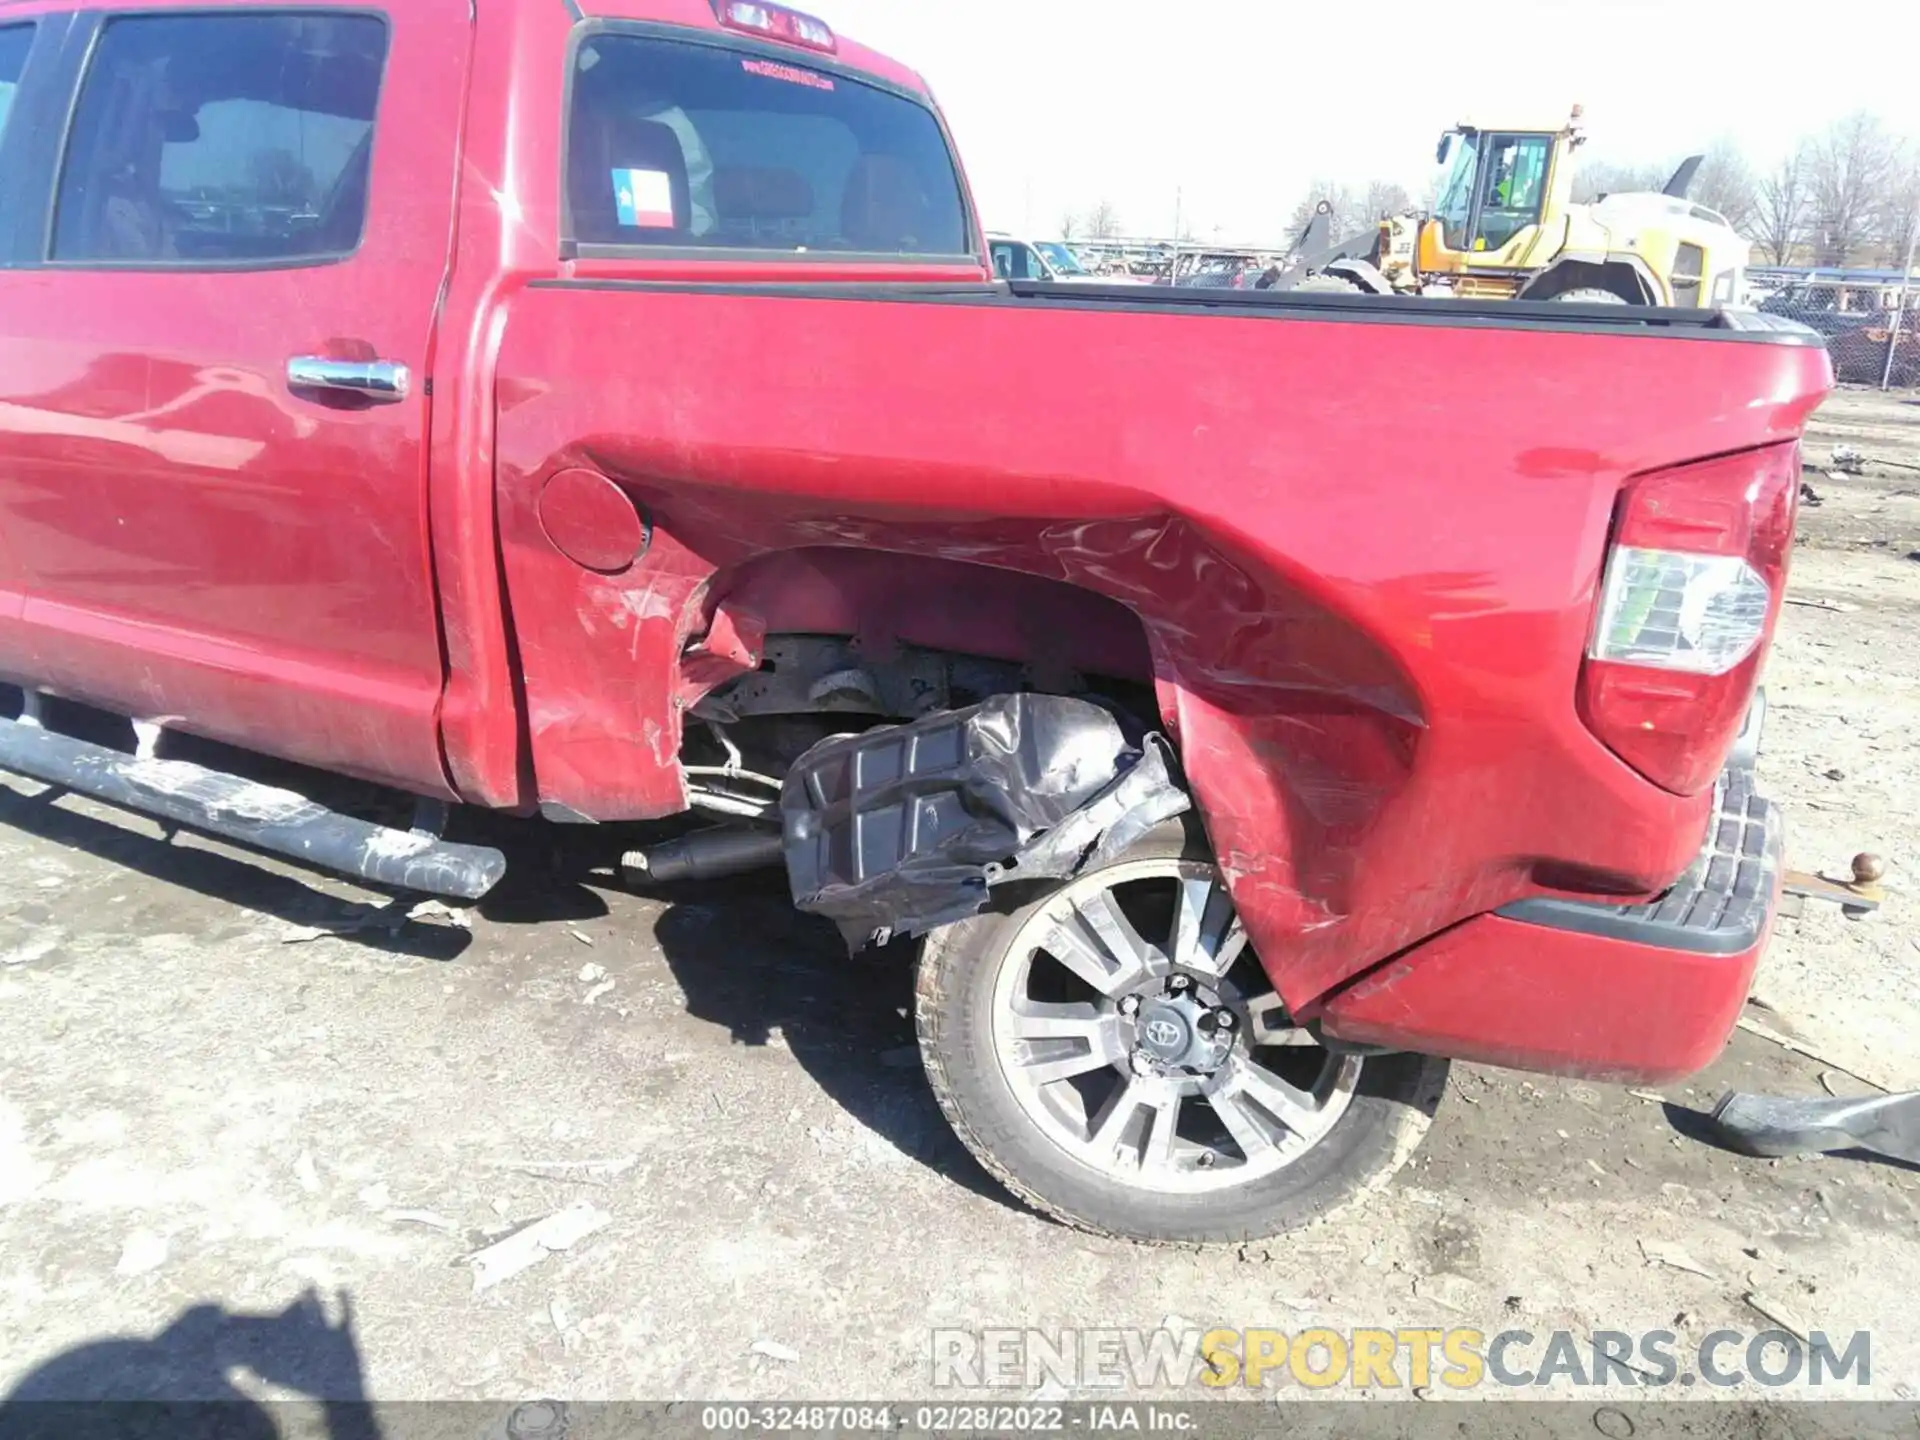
{"x":1505,"y":228}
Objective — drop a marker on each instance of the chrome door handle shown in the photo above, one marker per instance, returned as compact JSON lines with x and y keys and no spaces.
{"x":375,"y":379}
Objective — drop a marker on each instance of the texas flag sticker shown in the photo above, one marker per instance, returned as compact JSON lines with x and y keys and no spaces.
{"x":644,"y":198}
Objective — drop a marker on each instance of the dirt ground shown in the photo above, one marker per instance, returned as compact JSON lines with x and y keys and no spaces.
{"x":211,"y":1105}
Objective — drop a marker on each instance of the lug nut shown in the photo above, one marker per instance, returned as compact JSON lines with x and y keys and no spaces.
{"x":1223,"y":1020}
{"x":1130,"y":1005}
{"x":1180,"y":984}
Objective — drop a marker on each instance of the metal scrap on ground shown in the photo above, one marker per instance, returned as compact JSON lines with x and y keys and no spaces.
{"x":526,"y":1248}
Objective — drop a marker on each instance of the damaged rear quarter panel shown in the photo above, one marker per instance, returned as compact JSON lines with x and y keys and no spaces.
{"x":1365,"y":603}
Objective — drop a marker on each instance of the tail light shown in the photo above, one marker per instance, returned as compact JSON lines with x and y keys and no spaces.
{"x":1692,"y":589}
{"x":776,"y":22}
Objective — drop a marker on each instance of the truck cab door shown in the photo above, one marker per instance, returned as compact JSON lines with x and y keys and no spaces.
{"x":213,"y":410}
{"x":29,"y":49}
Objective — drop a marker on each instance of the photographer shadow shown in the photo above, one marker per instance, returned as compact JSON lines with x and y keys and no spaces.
{"x":178,"y":1382}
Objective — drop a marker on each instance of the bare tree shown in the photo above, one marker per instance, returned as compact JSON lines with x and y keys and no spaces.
{"x":1782,"y":204}
{"x":1605,"y":178}
{"x":1103,"y":221}
{"x":1069,"y":225}
{"x":1725,"y":182}
{"x":1383,"y":198}
{"x":1348,"y":214}
{"x":1852,"y":165}
{"x":1900,"y":212}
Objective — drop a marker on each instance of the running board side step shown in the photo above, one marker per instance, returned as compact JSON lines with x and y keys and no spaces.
{"x":261,"y":816}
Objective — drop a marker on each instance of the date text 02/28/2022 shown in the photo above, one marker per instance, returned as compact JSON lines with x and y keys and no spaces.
{"x":969,"y":1419}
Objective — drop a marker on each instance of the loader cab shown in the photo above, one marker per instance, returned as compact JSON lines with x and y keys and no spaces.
{"x":1504,"y":195}
{"x":1504,"y":226}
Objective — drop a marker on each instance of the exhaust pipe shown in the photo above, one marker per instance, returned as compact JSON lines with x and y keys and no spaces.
{"x":703,"y":855}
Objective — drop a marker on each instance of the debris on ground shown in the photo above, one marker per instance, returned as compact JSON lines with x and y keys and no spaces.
{"x":427,"y":1218}
{"x":774,"y":1350}
{"x":143,"y":1251}
{"x":596,"y":991}
{"x":580,"y":935}
{"x":307,"y":1173}
{"x":1849,"y":461}
{"x":440,"y":910}
{"x":591,"y":974}
{"x":389,"y":917}
{"x":609,"y":1169}
{"x":1450,"y":1292}
{"x":526,"y":1248}
{"x":1674,"y":1256}
{"x":1782,"y":1315}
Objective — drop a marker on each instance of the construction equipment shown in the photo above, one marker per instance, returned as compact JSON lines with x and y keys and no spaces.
{"x":1505,"y":227}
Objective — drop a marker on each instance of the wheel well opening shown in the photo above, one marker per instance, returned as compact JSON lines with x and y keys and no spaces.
{"x":859,"y":638}
{"x":1614,"y":276}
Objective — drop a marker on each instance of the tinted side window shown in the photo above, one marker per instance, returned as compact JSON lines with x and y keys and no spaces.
{"x":222,"y":139}
{"x":671,"y":143}
{"x":14,"y":43}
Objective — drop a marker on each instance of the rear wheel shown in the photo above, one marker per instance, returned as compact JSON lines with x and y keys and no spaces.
{"x":1114,"y":1054}
{"x":1591,"y":295}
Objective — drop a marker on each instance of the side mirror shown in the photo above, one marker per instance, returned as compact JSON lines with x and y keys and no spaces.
{"x":1445,"y":149}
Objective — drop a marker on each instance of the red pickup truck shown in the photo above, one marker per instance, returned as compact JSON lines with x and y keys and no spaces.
{"x":611,"y":414}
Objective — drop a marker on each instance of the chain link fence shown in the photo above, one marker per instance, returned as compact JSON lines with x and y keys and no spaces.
{"x":1871,"y":325}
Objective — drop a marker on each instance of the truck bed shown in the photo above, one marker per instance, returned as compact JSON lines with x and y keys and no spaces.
{"x":1361,"y":538}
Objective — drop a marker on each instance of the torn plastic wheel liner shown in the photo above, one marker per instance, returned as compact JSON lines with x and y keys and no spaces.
{"x":905,"y":828}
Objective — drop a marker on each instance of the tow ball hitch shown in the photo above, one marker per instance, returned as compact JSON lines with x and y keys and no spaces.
{"x":1856,"y":898}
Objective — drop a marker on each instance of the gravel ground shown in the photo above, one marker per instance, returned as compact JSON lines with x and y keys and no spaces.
{"x":212,"y":1105}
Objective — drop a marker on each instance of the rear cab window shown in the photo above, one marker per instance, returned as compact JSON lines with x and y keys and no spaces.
{"x":720,"y":145}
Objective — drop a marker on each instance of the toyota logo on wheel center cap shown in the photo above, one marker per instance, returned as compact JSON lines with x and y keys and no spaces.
{"x":1164,"y":1034}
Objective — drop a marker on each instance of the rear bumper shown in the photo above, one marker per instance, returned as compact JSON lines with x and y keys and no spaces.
{"x":1642,"y":993}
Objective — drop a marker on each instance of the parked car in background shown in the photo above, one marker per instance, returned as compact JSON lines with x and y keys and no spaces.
{"x":1037,"y":260}
{"x":1215,"y":270}
{"x":1859,"y":314}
